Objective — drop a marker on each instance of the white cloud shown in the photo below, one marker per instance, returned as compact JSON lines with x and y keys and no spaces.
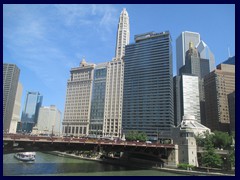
{"x":101,"y":16}
{"x":37,"y":34}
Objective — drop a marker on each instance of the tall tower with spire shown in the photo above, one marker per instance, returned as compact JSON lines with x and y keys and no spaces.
{"x":123,"y":34}
{"x":112,"y":125}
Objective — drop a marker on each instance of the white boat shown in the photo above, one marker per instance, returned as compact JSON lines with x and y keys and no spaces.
{"x":25,"y":156}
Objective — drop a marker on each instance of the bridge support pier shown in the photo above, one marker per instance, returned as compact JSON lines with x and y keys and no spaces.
{"x":172,"y":159}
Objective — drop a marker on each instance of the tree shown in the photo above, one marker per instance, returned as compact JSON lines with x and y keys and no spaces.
{"x":135,"y":135}
{"x":222,"y":140}
{"x":210,"y":158}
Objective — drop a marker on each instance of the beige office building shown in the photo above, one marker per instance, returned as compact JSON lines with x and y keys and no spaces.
{"x":78,"y":100}
{"x":218,"y":84}
{"x":112,"y":125}
{"x":16,"y":109}
{"x":10,"y":84}
{"x":49,"y":120}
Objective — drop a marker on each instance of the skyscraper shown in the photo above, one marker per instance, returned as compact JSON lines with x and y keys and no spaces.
{"x":10,"y":83}
{"x":123,"y":34}
{"x":78,"y":100}
{"x":190,"y":100}
{"x":98,"y":100}
{"x":148,"y":87}
{"x":186,"y":97}
{"x":182,"y":44}
{"x":49,"y":120}
{"x":231,"y":106}
{"x":230,"y":60}
{"x":217,"y":85}
{"x":30,"y":112}
{"x":16,"y":110}
{"x":206,"y":53}
{"x":114,"y":81}
{"x":194,"y":65}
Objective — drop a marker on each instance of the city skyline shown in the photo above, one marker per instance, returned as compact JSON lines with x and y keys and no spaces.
{"x":48,"y":40}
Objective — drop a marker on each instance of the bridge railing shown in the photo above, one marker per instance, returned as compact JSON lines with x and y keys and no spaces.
{"x":82,"y":140}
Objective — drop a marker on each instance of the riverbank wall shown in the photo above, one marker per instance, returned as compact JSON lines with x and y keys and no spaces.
{"x":136,"y":163}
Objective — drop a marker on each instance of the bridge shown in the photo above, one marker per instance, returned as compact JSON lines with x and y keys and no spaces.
{"x":15,"y":143}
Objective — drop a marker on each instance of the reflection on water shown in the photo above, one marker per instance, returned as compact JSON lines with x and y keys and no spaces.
{"x":46,"y":164}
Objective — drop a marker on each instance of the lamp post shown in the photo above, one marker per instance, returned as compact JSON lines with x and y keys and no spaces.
{"x":67,"y":128}
{"x":52,"y":130}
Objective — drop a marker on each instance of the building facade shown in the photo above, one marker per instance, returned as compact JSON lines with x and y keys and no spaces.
{"x":78,"y":100}
{"x":231,"y":106}
{"x":190,"y":96}
{"x":49,"y":120}
{"x":10,"y":83}
{"x":112,"y":125}
{"x":182,"y":46}
{"x":148,"y":87}
{"x":200,"y":67}
{"x":123,"y":34}
{"x":16,"y":110}
{"x":30,"y":112}
{"x":186,"y":97}
{"x":98,"y":100}
{"x":205,"y":53}
{"x":217,"y":85}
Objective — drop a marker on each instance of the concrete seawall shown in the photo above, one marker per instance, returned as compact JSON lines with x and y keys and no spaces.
{"x":126,"y":163}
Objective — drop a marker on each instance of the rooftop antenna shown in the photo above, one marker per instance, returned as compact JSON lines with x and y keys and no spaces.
{"x":229,"y":53}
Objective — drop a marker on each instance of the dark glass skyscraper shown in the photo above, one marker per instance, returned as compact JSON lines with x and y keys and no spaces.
{"x":31,"y":109}
{"x":148,"y":91}
{"x":98,"y":100}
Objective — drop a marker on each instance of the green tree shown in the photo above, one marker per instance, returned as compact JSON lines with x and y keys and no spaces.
{"x":135,"y":135}
{"x":210,"y":158}
{"x":222,"y":140}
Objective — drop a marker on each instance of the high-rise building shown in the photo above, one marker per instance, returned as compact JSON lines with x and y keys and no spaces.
{"x":194,"y":64}
{"x":230,"y":60}
{"x":123,"y":34}
{"x":114,"y":81}
{"x":16,"y":110}
{"x":98,"y":100}
{"x":217,"y":85}
{"x":186,"y":97}
{"x":49,"y":120}
{"x":200,"y":67}
{"x":30,"y":112}
{"x":231,"y":106}
{"x":177,"y":94}
{"x":190,"y":96}
{"x":10,"y":83}
{"x":78,"y":100}
{"x":206,"y":53}
{"x":148,"y":87}
{"x":182,"y":44}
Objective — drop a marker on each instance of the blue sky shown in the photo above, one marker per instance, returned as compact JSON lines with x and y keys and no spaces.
{"x":46,"y":41}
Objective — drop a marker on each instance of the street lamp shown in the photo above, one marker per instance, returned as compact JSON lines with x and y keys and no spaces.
{"x":67,"y":128}
{"x":52,"y":130}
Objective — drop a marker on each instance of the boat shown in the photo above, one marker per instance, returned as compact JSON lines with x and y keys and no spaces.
{"x":25,"y":156}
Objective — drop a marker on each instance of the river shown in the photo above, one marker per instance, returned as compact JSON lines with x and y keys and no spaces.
{"x":51,"y":165}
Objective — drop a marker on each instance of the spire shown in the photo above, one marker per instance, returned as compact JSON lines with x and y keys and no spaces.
{"x":190,"y":45}
{"x":123,"y":34}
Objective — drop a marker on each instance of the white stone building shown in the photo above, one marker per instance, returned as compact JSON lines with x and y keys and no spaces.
{"x":112,"y":125}
{"x":49,"y":120}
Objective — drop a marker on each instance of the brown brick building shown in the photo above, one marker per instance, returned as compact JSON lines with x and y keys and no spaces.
{"x":218,"y":84}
